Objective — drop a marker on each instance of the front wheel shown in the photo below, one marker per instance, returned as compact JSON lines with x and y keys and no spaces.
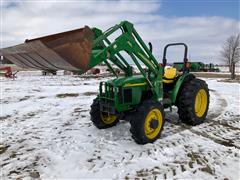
{"x":147,"y":123}
{"x":100,"y":119}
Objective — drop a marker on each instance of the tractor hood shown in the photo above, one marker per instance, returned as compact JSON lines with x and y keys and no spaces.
{"x":128,"y":81}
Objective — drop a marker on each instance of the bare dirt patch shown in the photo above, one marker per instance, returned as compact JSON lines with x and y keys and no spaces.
{"x":24,"y":98}
{"x":213,"y":75}
{"x":34,"y":174}
{"x":67,"y":95}
{"x":76,"y":110}
{"x":227,"y":142}
{"x":5,"y":117}
{"x":195,"y":157}
{"x":3,"y":148}
{"x":90,"y":93}
{"x":230,"y":80}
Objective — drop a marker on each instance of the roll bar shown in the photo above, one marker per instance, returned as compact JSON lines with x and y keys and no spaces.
{"x":185,"y":60}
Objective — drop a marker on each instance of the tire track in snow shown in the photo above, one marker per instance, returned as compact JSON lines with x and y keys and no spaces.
{"x":212,"y":120}
{"x":173,"y":126}
{"x":224,"y":142}
{"x":220,"y":102}
{"x":212,"y":127}
{"x":170,"y":169}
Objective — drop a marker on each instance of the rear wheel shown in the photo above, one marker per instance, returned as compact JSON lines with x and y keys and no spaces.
{"x":193,"y":102}
{"x":100,"y":119}
{"x":147,"y":123}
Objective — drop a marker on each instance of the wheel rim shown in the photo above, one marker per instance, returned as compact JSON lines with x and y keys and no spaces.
{"x":201,"y":103}
{"x":153,"y":115}
{"x":108,"y":118}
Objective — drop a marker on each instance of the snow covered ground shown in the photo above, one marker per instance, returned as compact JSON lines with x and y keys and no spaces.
{"x":46,"y":133}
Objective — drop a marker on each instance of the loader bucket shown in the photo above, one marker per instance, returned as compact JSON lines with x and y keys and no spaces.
{"x":69,"y":50}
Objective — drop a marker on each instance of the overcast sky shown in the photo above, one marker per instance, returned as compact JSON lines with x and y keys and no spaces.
{"x":203,"y":25}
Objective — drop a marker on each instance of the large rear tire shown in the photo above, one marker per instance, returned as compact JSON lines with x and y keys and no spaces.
{"x":193,"y":102}
{"x":147,"y":122}
{"x":100,"y":119}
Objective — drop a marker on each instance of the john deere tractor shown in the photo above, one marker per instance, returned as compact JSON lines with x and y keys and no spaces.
{"x":140,"y":99}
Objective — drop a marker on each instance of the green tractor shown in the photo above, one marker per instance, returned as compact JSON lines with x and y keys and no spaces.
{"x":193,"y":66}
{"x":140,"y":99}
{"x":197,"y":67}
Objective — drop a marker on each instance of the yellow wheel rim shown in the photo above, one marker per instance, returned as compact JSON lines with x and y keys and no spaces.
{"x":154,"y":114}
{"x":201,"y":101}
{"x":108,"y":118}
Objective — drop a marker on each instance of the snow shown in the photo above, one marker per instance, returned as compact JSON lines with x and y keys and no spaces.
{"x":46,"y":133}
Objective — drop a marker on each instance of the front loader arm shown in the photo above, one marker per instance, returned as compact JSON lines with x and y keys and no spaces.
{"x":130,"y":42}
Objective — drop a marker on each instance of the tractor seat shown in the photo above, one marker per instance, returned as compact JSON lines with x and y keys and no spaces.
{"x":170,"y":73}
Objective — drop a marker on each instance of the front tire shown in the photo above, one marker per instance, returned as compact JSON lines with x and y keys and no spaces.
{"x":193,"y":102}
{"x":100,"y":119}
{"x":147,"y":123}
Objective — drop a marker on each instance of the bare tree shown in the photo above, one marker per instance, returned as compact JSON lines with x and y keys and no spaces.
{"x":230,"y":53}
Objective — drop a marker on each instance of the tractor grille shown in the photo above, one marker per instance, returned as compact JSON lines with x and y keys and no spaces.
{"x":107,"y":98}
{"x":106,"y":91}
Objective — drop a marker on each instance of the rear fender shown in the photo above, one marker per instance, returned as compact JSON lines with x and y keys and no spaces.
{"x":186,"y":77}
